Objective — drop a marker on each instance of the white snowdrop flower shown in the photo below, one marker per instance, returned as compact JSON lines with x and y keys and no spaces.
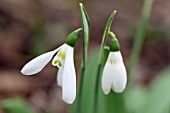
{"x":64,"y":60}
{"x":114,"y":74}
{"x":66,"y":74}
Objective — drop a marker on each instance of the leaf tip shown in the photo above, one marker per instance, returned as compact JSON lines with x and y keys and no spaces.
{"x":81,"y":5}
{"x":114,"y":11}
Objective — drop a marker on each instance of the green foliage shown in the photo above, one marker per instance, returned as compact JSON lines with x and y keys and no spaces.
{"x":86,"y":36}
{"x":158,"y":98}
{"x":155,"y":99}
{"x":86,"y":27}
{"x":112,"y":103}
{"x":139,"y":36}
{"x":16,"y":105}
{"x":105,"y":35}
{"x":135,"y":96}
{"x":88,"y":87}
{"x":85,"y":24}
{"x":87,"y":103}
{"x":106,"y":104}
{"x":136,"y":99}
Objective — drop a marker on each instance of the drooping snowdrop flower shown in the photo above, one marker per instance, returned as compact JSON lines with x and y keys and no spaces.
{"x":64,"y":60}
{"x":114,"y":73}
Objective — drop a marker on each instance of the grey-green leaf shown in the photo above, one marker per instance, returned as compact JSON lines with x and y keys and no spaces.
{"x":85,"y":24}
{"x":113,"y":103}
{"x":16,"y":105}
{"x":158,"y":99}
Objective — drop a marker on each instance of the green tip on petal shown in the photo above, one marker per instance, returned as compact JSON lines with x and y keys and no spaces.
{"x":58,"y":62}
{"x":61,"y":54}
{"x":106,"y":54}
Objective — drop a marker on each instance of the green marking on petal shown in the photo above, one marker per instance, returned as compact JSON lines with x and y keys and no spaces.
{"x":58,"y":62}
{"x":61,"y":54}
{"x":111,"y":61}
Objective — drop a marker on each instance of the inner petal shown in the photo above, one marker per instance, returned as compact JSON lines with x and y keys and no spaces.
{"x":59,"y":59}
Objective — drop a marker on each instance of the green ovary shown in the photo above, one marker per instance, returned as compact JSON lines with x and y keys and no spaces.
{"x":58,"y":62}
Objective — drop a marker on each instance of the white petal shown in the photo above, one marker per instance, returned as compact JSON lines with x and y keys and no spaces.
{"x":107,"y":78}
{"x":115,"y":57}
{"x":60,"y":76}
{"x":59,"y":59}
{"x":38,"y":63}
{"x":120,"y":78}
{"x":69,"y":78}
{"x":119,"y":75}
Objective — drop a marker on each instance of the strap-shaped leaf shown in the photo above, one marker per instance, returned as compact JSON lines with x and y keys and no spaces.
{"x":158,"y":98}
{"x":113,"y":103}
{"x":86,"y":33}
{"x":16,"y":105}
{"x":86,"y":36}
{"x":85,"y":24}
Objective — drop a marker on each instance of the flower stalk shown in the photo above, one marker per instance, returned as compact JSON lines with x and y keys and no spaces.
{"x":105,"y":35}
{"x":101,"y":58}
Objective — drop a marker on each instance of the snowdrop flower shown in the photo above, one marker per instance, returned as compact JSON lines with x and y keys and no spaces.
{"x":114,"y":73}
{"x":64,"y":61}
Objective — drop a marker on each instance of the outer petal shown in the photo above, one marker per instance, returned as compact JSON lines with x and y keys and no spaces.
{"x":119,"y":75}
{"x":38,"y":63}
{"x":69,"y":78}
{"x":107,"y":77}
{"x":60,"y":76}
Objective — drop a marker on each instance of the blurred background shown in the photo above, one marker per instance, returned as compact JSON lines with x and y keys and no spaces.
{"x":31,"y":27}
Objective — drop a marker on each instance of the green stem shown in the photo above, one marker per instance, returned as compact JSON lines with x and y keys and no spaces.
{"x":112,"y":35}
{"x":105,"y":35}
{"x":80,"y":90}
{"x":99,"y":73}
{"x":139,"y":37}
{"x":82,"y":76}
{"x":101,"y":59}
